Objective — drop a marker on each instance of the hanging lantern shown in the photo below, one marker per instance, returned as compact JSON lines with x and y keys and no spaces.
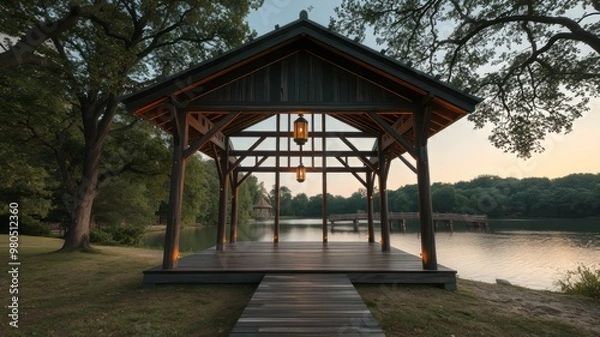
{"x":300,"y":173}
{"x":300,"y":130}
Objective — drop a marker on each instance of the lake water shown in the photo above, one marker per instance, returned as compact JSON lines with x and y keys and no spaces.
{"x":529,"y":253}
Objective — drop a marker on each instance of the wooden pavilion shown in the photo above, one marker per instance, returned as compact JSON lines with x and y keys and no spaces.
{"x":300,"y":68}
{"x":262,"y":210}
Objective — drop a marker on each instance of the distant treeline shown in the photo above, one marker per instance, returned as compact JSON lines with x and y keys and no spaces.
{"x":572,"y":196}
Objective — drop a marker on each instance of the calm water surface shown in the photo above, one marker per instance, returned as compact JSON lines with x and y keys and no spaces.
{"x":530,"y":253}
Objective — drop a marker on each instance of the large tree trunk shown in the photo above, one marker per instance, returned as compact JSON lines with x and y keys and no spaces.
{"x":95,"y":131}
{"x":78,"y":236}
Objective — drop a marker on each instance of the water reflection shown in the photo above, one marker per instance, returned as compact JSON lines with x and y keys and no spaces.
{"x":531,"y":253}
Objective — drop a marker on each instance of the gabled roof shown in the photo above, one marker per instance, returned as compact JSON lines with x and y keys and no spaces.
{"x":262,"y":204}
{"x":312,"y":42}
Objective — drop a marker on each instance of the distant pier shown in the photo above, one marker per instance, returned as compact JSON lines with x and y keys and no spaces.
{"x":440,"y":220}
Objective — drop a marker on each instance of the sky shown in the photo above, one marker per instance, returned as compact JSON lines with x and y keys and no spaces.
{"x":459,"y":152}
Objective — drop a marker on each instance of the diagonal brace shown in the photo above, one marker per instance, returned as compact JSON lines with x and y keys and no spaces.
{"x":397,"y":137}
{"x":207,"y":137}
{"x":249,"y":173}
{"x":363,"y":159}
{"x":239,"y":161}
{"x":408,"y":164}
{"x":345,"y":163}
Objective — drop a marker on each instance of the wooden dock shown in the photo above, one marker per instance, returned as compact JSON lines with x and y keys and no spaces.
{"x":249,"y":262}
{"x":440,"y":220}
{"x":306,"y":305}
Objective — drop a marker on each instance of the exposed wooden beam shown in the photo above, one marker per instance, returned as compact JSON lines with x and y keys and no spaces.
{"x":272,"y":169}
{"x":277,"y":182}
{"x":428,"y":250}
{"x":397,"y":137}
{"x":211,"y":133}
{"x":249,"y":170}
{"x":401,"y":126}
{"x":383,"y":199}
{"x":408,"y":164}
{"x":298,"y":153}
{"x":203,"y":125}
{"x":329,"y":108}
{"x":370,"y":223}
{"x":173,"y":230}
{"x":317,"y":134}
{"x":324,"y":179}
{"x":363,"y":159}
{"x":237,"y":163}
{"x":359,"y":178}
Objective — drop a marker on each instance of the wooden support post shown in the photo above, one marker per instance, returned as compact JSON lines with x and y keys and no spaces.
{"x":233,"y":227}
{"x":223,"y":189}
{"x":383,"y":198}
{"x":370,"y":223}
{"x":324,"y":214}
{"x":277,"y":183}
{"x":173,"y":231}
{"x":428,"y":251}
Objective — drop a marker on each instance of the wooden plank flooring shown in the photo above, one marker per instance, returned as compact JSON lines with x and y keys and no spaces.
{"x":249,"y":262}
{"x":306,"y":305}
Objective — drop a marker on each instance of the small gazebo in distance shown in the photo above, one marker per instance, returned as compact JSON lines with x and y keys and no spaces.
{"x":262,"y":210}
{"x":302,"y":69}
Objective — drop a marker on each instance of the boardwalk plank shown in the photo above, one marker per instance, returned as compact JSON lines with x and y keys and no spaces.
{"x":248,"y":262}
{"x":306,"y":305}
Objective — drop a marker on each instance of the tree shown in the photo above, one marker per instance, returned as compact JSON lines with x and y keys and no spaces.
{"x":113,"y":51}
{"x":285,"y":200}
{"x":41,"y":30}
{"x":29,"y":177}
{"x":300,"y":204}
{"x":443,"y":198}
{"x":534,"y":62}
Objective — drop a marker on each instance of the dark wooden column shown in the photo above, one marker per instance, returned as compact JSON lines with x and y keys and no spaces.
{"x":277,"y":205}
{"x":383,"y":198}
{"x":223,"y":190}
{"x":173,"y":231}
{"x":233,"y":227}
{"x":324,"y":211}
{"x":428,"y":251}
{"x":371,"y":226}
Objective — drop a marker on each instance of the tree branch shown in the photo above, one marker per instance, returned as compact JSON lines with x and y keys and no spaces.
{"x":108,"y":29}
{"x":126,"y":127}
{"x":579,"y":33}
{"x":129,"y":167}
{"x":23,"y":51}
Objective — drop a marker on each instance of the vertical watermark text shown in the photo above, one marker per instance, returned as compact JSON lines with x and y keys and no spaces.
{"x":13,"y":265}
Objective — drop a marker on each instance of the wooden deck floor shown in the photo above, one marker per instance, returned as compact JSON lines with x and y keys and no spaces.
{"x":249,"y":262}
{"x":306,"y":305}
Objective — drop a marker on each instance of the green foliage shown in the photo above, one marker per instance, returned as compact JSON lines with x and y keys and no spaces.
{"x":534,"y":62}
{"x":35,"y":228}
{"x":28,"y":176}
{"x":576,"y":195}
{"x":251,"y":191}
{"x":443,"y":198}
{"x":126,"y":235}
{"x":582,"y":281}
{"x":97,"y":53}
{"x":201,"y":192}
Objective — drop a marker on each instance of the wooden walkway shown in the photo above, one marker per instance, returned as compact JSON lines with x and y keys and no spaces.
{"x":446,"y":219}
{"x":306,"y":305}
{"x":249,"y":262}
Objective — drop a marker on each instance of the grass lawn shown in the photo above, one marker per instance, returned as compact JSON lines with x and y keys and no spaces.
{"x":100,"y":294}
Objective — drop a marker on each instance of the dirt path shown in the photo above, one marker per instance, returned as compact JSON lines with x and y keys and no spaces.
{"x":576,"y":310}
